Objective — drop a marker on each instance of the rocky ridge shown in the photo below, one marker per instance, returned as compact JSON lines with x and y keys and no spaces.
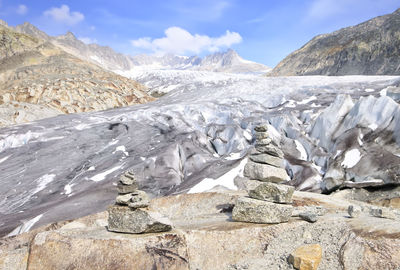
{"x":370,"y":48}
{"x":203,"y":229}
{"x":41,"y":78}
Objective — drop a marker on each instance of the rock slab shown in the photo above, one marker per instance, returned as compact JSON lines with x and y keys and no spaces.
{"x":267,"y":159}
{"x":272,"y":193}
{"x":124,"y":219}
{"x":265,"y":172}
{"x":257,"y":211}
{"x":306,"y":257}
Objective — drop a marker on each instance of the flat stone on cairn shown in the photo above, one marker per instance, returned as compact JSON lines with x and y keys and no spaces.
{"x":268,"y":201}
{"x":130,"y":213}
{"x":257,"y":211}
{"x":271,"y":192}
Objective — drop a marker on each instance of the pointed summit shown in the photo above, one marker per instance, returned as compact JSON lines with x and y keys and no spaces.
{"x":68,"y":36}
{"x":3,"y":23}
{"x":29,"y":29}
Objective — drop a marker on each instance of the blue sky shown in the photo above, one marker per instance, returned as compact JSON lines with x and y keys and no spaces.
{"x":260,"y":30}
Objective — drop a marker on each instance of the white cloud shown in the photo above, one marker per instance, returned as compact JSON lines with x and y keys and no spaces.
{"x":64,"y":15}
{"x":22,"y":9}
{"x":181,"y":42}
{"x":87,"y":40}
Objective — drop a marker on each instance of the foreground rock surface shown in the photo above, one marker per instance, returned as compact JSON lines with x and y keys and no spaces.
{"x":257,"y":211}
{"x":204,"y":230}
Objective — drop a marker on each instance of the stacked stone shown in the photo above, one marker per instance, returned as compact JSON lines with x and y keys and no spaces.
{"x":130,"y":214}
{"x":268,"y":202}
{"x":266,"y":161}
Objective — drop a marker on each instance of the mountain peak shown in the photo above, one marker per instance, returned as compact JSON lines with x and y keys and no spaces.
{"x":30,"y":29}
{"x":3,"y":23}
{"x":69,"y":35}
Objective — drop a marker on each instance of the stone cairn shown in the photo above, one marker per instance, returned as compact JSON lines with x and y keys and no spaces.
{"x":267,"y":201}
{"x":130,"y":214}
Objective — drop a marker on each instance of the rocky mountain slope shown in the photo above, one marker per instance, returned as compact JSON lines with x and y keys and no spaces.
{"x":197,"y":137}
{"x":107,"y":58}
{"x":370,"y":48}
{"x":38,"y":80}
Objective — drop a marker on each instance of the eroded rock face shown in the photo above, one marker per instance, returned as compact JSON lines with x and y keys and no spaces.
{"x":369,"y":48}
{"x":124,"y":219}
{"x":257,"y":211}
{"x":51,"y":82}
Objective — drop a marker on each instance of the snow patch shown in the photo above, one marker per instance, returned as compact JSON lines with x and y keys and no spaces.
{"x":25,"y":227}
{"x":122,"y":149}
{"x":4,"y":159}
{"x":233,"y":156}
{"x":307,"y":100}
{"x":226,"y":180}
{"x":373,"y":126}
{"x":301,"y":149}
{"x":43,"y":181}
{"x":359,"y":139}
{"x":17,"y":140}
{"x":102,"y":176}
{"x":351,"y":158}
{"x":68,"y":189}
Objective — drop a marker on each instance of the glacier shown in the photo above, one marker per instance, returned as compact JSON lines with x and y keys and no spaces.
{"x":201,"y":128}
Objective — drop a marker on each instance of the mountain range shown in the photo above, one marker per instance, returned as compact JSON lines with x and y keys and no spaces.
{"x":107,"y":58}
{"x":369,"y":48}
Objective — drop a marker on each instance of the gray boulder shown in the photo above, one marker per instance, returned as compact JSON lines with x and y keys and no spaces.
{"x":261,"y":135}
{"x":261,"y":128}
{"x":127,"y":179}
{"x":269,"y":149}
{"x":245,"y":183}
{"x":354,"y":211}
{"x":139,"y":199}
{"x":267,"y":159}
{"x":125,"y":189}
{"x":265,"y":172}
{"x":272,"y":193}
{"x":265,"y":141}
{"x":256,"y":211}
{"x":124,"y":199}
{"x":123,"y":219}
{"x":309,"y":217}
